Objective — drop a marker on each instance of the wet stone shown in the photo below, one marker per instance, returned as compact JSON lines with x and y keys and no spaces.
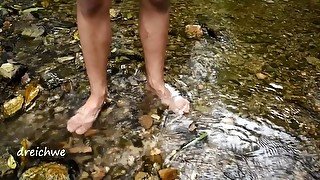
{"x":51,"y":80}
{"x":194,"y":31}
{"x":11,"y":71}
{"x":168,"y":174}
{"x":141,"y":176}
{"x":146,"y":121}
{"x":12,"y":106}
{"x":261,"y":76}
{"x":33,"y":31}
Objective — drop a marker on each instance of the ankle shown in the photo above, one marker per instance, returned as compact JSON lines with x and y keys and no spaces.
{"x":159,"y":88}
{"x":99,"y":98}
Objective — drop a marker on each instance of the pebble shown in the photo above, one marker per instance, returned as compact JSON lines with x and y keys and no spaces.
{"x":261,"y":76}
{"x":146,"y":121}
{"x":168,"y":174}
{"x":193,"y":31}
{"x":58,"y":109}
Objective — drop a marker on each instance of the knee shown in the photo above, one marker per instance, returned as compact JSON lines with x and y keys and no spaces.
{"x":162,"y":5}
{"x":93,"y":7}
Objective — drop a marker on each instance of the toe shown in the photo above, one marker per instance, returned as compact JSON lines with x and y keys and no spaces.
{"x":186,"y":107}
{"x":84,"y":128}
{"x":180,"y":106}
{"x":73,"y":123}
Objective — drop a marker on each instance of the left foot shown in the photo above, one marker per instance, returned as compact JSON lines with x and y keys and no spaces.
{"x":170,"y":97}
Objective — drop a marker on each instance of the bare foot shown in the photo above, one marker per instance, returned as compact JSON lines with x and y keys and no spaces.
{"x":86,"y":115}
{"x":171,"y":98}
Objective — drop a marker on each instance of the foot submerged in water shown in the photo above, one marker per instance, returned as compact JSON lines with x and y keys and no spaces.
{"x":85,"y":116}
{"x":171,"y":98}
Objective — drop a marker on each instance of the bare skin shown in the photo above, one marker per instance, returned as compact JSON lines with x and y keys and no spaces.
{"x":95,"y":38}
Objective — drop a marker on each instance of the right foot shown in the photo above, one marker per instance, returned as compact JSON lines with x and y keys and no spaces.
{"x":86,"y":115}
{"x":171,"y":98}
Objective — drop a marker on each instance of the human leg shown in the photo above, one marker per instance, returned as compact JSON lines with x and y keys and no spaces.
{"x":95,"y":37}
{"x":154,"y":24}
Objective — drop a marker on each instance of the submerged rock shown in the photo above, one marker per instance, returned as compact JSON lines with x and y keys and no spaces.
{"x":33,"y":31}
{"x":168,"y":174}
{"x":51,"y":80}
{"x":46,"y":171}
{"x":12,"y":106}
{"x":194,"y":31}
{"x":141,"y":176}
{"x":146,"y":121}
{"x":32,"y":91}
{"x":261,"y":76}
{"x":9,"y":70}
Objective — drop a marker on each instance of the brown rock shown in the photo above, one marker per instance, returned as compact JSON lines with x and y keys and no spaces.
{"x":91,"y":132}
{"x":194,"y":31}
{"x":146,"y":121}
{"x":99,"y":173}
{"x":261,"y":76}
{"x":84,"y":175}
{"x":80,"y":149}
{"x":141,"y":176}
{"x":200,"y":86}
{"x":168,"y":174}
{"x":12,"y":106}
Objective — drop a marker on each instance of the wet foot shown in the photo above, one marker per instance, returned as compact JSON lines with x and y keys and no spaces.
{"x":171,"y":98}
{"x":85,"y":116}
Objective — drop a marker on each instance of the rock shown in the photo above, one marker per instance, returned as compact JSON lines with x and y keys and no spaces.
{"x":51,"y":80}
{"x":33,"y":31}
{"x":107,"y":169}
{"x":98,"y":173}
{"x":6,"y":25}
{"x":8,"y":70}
{"x":84,"y":175}
{"x":80,"y":149}
{"x":114,"y":14}
{"x":123,"y":103}
{"x":66,"y":58}
{"x":25,"y":79}
{"x":76,"y":35}
{"x":58,"y":109}
{"x":157,"y":159}
{"x":130,"y":160}
{"x":82,"y":159}
{"x":261,"y":76}
{"x":45,"y":3}
{"x":146,"y":121}
{"x":228,"y":120}
{"x":117,"y":171}
{"x":168,"y":174}
{"x":33,"y":9}
{"x":269,"y":1}
{"x":32,"y":91}
{"x":194,"y":31}
{"x":91,"y":132}
{"x":192,"y":127}
{"x":314,"y":61}
{"x":12,"y":106}
{"x":141,"y":176}
{"x":276,"y":86}
{"x":132,"y":81}
{"x":155,"y":151}
{"x":200,"y":86}
{"x":67,"y":86}
{"x":155,"y":117}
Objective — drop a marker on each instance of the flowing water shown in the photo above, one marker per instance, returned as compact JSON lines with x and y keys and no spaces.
{"x":252,"y":79}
